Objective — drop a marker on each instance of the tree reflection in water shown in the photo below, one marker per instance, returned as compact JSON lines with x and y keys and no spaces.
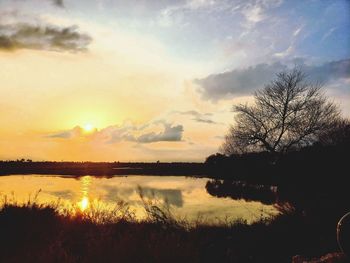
{"x":241,"y":190}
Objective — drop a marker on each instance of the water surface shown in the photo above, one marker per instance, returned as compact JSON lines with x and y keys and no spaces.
{"x":186,"y":196}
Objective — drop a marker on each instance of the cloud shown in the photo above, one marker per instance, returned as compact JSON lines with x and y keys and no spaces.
{"x":171,"y":196}
{"x":45,"y":37}
{"x":64,"y":194}
{"x":130,"y":132}
{"x":207,"y":6}
{"x":116,"y":133}
{"x":75,"y":132}
{"x":169,"y":134}
{"x":197,"y":116}
{"x":289,"y":51}
{"x":58,"y":3}
{"x":329,"y":71}
{"x":328,"y":34}
{"x":237,"y":82}
{"x":126,"y":132}
{"x":252,"y":11}
{"x":255,"y":11}
{"x":193,"y":113}
{"x":240,"y":82}
{"x":298,"y":30}
{"x":118,"y":193}
{"x":181,"y":13}
{"x":204,"y":120}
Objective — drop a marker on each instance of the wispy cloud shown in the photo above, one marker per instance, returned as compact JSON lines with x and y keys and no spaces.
{"x":297,"y":31}
{"x":181,"y":10}
{"x":328,"y":34}
{"x":198,"y":117}
{"x":255,"y":11}
{"x":290,"y":50}
{"x":68,"y":134}
{"x":285,"y":53}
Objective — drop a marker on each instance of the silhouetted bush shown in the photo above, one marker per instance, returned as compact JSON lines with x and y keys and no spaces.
{"x":33,"y":233}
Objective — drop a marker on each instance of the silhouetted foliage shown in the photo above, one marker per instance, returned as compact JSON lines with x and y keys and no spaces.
{"x":338,"y":134}
{"x":313,"y":180}
{"x":287,"y":114}
{"x":33,"y":233}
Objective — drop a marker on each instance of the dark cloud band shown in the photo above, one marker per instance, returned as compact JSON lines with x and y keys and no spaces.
{"x":244,"y":81}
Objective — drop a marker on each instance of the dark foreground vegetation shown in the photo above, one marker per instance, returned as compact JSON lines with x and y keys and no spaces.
{"x":37,"y":233}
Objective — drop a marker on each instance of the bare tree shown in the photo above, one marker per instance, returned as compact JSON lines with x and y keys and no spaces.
{"x":339,"y":134}
{"x":287,"y":113}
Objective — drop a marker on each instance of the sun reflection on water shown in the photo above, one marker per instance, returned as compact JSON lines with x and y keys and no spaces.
{"x":84,"y":202}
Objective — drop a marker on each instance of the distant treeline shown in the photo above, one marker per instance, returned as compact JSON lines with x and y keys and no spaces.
{"x":308,"y":164}
{"x":100,"y":168}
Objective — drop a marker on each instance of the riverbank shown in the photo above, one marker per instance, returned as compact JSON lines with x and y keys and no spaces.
{"x":38,"y":233}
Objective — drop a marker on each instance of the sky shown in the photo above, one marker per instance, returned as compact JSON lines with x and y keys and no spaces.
{"x":147,"y":80}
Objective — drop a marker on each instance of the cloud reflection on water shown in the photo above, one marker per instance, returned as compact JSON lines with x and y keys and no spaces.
{"x":170,"y":196}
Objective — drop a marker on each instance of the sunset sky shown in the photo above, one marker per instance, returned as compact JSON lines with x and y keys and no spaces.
{"x":109,"y":80}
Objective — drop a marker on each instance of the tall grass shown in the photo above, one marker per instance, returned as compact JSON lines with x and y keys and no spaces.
{"x":33,"y":232}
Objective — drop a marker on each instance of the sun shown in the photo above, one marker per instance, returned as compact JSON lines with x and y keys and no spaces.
{"x":88,"y":127}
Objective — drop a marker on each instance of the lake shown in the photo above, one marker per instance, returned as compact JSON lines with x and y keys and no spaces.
{"x":186,"y":196}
